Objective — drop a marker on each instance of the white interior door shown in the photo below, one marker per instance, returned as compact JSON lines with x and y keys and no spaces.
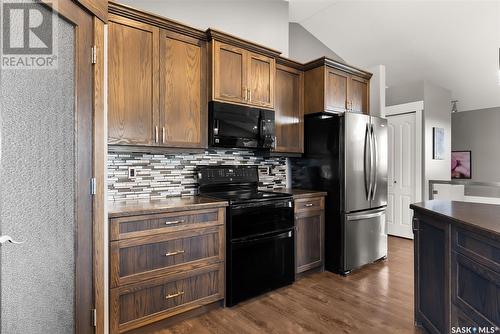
{"x":401,"y":174}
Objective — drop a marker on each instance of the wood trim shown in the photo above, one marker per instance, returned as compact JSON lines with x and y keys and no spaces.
{"x":213,"y":34}
{"x":324,"y":61}
{"x":97,"y":7}
{"x":156,"y":20}
{"x":289,"y":63}
{"x":100,"y":140}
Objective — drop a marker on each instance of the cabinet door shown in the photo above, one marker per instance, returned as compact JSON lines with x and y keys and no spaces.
{"x":309,"y":245}
{"x":289,"y":110}
{"x":182,"y":91}
{"x":133,"y":82}
{"x":336,"y":90}
{"x":229,"y":82}
{"x":261,"y":71}
{"x":359,"y":93}
{"x":432,"y":261}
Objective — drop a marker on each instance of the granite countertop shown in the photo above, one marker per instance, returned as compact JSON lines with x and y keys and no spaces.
{"x":301,"y":193}
{"x":483,"y":217}
{"x":169,"y":204}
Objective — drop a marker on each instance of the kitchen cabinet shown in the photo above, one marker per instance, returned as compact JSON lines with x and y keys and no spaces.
{"x":242,"y":72}
{"x":289,"y":107}
{"x":331,"y":86}
{"x":133,"y":60}
{"x":183,"y":91}
{"x":310,"y":226}
{"x":165,"y":262}
{"x":157,"y":82}
{"x":457,"y":265}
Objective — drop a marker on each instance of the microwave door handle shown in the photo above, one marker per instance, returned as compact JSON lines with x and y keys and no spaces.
{"x":216,"y":127}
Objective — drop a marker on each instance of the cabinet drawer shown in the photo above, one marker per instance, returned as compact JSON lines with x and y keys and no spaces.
{"x":140,"y":226}
{"x":133,"y":260}
{"x":480,"y":249}
{"x":143,"y":303}
{"x":309,"y":204}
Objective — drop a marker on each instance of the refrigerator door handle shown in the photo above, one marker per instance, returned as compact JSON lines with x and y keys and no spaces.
{"x":365,"y":215}
{"x":368,"y":162}
{"x":374,"y":163}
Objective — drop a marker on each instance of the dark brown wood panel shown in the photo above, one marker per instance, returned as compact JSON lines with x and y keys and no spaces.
{"x":140,"y":226}
{"x":289,"y":110}
{"x":183,"y":91}
{"x":133,"y":69}
{"x":314,"y":90}
{"x":229,"y":77}
{"x":432,"y":267}
{"x":163,"y":254}
{"x":359,"y":95}
{"x":478,"y":248}
{"x":138,"y":304}
{"x":309,"y":204}
{"x":98,"y":7}
{"x":309,"y":242}
{"x":336,"y":90}
{"x":261,"y":71}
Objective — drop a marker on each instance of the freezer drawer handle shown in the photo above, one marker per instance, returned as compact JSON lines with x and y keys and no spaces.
{"x":366,"y":216}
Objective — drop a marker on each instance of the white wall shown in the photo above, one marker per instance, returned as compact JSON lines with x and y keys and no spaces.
{"x":377,"y":91}
{"x":263,"y":22}
{"x":304,"y":47}
{"x":478,"y":131}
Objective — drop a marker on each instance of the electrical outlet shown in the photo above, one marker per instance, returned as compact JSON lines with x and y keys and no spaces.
{"x":132,"y":172}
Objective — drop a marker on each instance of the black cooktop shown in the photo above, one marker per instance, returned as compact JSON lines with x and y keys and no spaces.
{"x":239,"y":196}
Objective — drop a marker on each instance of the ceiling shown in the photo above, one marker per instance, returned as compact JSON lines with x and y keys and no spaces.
{"x":454,"y":44}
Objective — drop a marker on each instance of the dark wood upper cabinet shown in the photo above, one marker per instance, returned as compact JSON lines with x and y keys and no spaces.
{"x":289,"y":108}
{"x":335,"y":87}
{"x":229,"y":73}
{"x":261,"y":71}
{"x":97,"y":7}
{"x":359,"y":94}
{"x":132,"y":81}
{"x":183,"y":93}
{"x":242,"y":72}
{"x":157,"y":81}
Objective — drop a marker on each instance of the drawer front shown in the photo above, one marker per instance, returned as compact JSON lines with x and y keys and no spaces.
{"x":139,"y":226}
{"x":137,"y":259}
{"x":476,"y":290}
{"x":483,"y":250}
{"x":141,"y":304}
{"x":309,"y":204}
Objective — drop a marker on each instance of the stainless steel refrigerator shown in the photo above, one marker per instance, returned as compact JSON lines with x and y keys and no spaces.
{"x":346,"y":155}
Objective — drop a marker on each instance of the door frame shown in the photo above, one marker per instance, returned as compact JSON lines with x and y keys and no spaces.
{"x":418,"y":109}
{"x":90,"y":152}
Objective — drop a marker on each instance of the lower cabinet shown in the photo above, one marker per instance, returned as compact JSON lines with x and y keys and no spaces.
{"x":309,"y":225}
{"x":457,"y":277}
{"x":162,"y":265}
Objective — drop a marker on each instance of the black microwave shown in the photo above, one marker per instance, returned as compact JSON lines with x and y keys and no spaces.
{"x":235,"y":126}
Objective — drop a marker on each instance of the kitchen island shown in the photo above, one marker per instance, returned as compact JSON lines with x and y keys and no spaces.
{"x":457,"y":266}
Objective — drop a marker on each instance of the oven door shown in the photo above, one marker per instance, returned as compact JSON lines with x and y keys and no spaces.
{"x":250,"y":219}
{"x":259,"y":265}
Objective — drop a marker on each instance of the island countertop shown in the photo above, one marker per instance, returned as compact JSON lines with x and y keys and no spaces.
{"x":483,"y":217}
{"x":164,"y":205}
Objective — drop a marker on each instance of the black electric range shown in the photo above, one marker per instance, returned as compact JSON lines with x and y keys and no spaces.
{"x":259,"y":231}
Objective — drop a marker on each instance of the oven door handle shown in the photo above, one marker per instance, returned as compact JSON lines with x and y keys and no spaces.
{"x":282,"y":235}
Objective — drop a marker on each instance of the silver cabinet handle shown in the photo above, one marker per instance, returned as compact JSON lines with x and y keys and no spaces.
{"x":174,"y":253}
{"x":163,"y":135}
{"x":174,"y":222}
{"x":308,"y":205}
{"x":156,"y":134}
{"x":5,"y":238}
{"x":173,"y":295}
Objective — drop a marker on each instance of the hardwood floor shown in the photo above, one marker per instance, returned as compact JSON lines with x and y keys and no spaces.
{"x":375,"y":299}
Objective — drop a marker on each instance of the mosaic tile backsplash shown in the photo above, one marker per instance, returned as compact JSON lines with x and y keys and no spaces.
{"x":166,"y":175}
